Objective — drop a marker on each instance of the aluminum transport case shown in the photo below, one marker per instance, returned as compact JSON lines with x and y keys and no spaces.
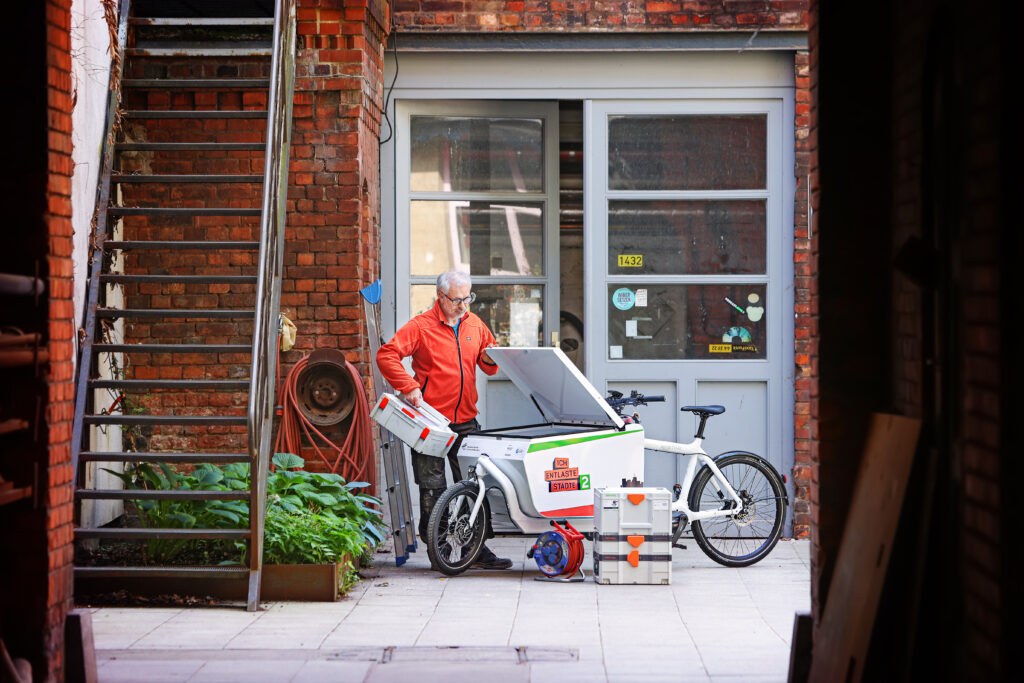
{"x":549,"y":470}
{"x":423,"y":429}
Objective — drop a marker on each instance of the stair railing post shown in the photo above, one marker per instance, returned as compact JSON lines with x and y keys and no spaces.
{"x":268,"y":289}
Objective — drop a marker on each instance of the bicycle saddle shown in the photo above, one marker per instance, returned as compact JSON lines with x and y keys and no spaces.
{"x":705,"y":410}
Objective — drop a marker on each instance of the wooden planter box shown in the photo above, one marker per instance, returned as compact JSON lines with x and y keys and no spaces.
{"x":298,"y":582}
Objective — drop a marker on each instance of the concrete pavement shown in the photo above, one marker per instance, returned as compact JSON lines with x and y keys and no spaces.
{"x":411,"y":624}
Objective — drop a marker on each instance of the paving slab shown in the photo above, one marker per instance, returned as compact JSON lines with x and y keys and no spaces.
{"x":711,"y":624}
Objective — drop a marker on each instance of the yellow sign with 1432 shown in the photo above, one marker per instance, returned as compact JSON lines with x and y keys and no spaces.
{"x":631,"y":260}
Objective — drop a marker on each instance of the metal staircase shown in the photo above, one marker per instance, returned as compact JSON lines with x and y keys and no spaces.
{"x":179,"y":354}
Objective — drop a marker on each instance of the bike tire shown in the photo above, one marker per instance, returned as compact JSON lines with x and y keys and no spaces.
{"x":748,"y":536}
{"x":453,"y":545}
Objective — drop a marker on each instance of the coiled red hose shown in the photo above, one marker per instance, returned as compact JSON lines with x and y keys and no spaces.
{"x":355,"y":459}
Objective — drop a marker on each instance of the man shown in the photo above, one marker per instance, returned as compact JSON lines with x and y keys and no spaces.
{"x":447,"y":344}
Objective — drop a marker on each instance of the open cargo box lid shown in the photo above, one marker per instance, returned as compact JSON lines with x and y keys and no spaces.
{"x":559,"y":390}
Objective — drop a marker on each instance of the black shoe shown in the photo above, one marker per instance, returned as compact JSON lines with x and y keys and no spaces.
{"x":488,"y":560}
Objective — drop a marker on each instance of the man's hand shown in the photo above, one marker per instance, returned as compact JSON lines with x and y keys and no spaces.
{"x":487,"y":358}
{"x":413,"y":398}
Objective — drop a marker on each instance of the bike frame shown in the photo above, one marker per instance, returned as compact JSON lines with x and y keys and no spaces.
{"x":485,"y":470}
{"x":696,"y":456}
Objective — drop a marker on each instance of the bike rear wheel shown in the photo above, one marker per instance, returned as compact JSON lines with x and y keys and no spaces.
{"x":748,"y":535}
{"x":453,"y":544}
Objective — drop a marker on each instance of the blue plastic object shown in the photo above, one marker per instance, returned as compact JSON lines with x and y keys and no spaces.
{"x":551,"y":553}
{"x":372,"y":292}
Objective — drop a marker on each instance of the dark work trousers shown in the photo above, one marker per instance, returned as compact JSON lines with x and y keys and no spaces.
{"x":428,"y":471}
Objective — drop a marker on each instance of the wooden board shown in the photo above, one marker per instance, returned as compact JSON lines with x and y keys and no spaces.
{"x":841,"y":640}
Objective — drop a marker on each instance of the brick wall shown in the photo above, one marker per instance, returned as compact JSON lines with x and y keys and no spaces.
{"x":813,"y":496}
{"x":598,"y":15}
{"x":197,"y":262}
{"x":805,"y":288}
{"x":332,"y":225}
{"x":62,"y":335}
{"x":334,"y":188}
{"x":35,"y":502}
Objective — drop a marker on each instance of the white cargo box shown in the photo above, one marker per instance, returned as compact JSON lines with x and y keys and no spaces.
{"x":579,"y":442}
{"x":423,"y":429}
{"x":632,"y":535}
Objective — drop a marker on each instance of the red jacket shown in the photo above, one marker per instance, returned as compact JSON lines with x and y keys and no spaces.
{"x":444,"y":366}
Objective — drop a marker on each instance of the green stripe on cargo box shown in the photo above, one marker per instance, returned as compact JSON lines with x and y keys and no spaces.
{"x":534,"y":447}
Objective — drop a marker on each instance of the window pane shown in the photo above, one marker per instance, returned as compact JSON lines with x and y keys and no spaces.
{"x":513,"y":312}
{"x":686,"y":237}
{"x":485,"y":237}
{"x":687,"y":152}
{"x":669,"y":322}
{"x":476,"y":154}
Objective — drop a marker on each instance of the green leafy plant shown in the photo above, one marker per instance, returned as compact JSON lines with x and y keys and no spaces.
{"x":311,"y":517}
{"x":184,"y":514}
{"x":294,"y":491}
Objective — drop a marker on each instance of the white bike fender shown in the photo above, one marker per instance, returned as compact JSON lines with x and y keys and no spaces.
{"x":486,"y":468}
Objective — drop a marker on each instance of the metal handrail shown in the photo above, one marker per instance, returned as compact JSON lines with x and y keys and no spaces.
{"x":268,"y":288}
{"x":100,"y":236}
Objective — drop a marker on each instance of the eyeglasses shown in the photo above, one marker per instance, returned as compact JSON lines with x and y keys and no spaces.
{"x":464,"y":300}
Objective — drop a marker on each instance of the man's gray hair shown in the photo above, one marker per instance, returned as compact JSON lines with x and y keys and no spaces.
{"x":446,"y":280}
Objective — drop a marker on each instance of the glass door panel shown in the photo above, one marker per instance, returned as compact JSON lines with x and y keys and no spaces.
{"x":483,"y":237}
{"x":687,"y":237}
{"x":687,"y":152}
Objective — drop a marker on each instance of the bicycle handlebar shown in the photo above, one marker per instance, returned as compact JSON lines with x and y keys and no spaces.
{"x":617,"y":400}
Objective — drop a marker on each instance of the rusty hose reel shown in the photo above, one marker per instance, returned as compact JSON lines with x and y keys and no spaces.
{"x":325,"y":389}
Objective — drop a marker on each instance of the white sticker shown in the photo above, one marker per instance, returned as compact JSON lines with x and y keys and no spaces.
{"x":641,"y":298}
{"x":614,"y":352}
{"x":631,"y":328}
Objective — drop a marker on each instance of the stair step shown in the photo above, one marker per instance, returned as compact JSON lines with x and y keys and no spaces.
{"x":211,"y":572}
{"x":257,"y":50}
{"x":195,"y":114}
{"x":190,"y":146}
{"x":149,"y":456}
{"x":135,"y":384}
{"x":171,"y":348}
{"x":147,"y":494}
{"x":180,"y":279}
{"x":182,"y":211}
{"x":196,"y":83}
{"x":202,"y":21}
{"x":126,"y":245}
{"x":157,"y":420}
{"x":183,"y":178}
{"x":175,"y":313}
{"x":150,"y":532}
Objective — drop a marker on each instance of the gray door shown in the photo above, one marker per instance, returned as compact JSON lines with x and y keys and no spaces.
{"x":690,"y":284}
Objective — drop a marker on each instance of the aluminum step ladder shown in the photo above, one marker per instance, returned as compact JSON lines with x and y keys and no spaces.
{"x":403,"y":530}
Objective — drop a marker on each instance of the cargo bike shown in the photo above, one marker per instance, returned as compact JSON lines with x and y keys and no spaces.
{"x":734,"y":504}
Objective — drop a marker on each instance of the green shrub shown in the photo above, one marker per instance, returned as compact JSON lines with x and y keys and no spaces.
{"x":311,"y":517}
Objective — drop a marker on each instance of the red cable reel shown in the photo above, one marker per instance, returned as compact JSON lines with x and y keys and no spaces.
{"x":558,"y":553}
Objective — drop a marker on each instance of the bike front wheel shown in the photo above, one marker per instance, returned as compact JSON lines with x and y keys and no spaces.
{"x":453,"y":544}
{"x":744,"y":536}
